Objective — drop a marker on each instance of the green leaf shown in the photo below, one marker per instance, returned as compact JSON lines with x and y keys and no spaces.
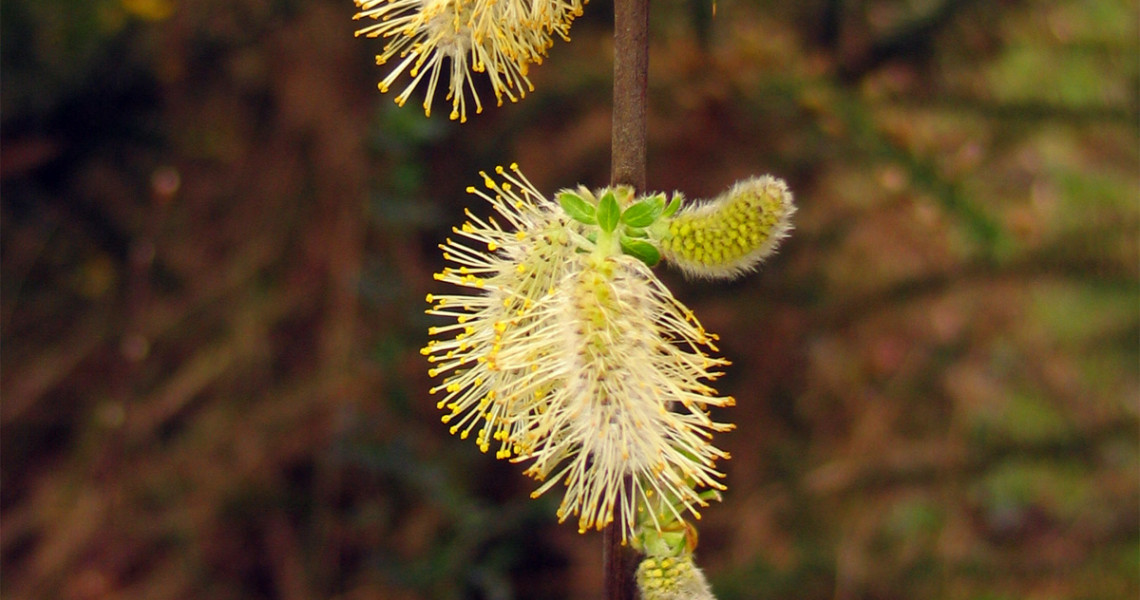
{"x":709,"y":495}
{"x":674,"y":204}
{"x":608,"y":212}
{"x":643,"y":212}
{"x":641,"y":250}
{"x":578,"y":208}
{"x":665,"y":543}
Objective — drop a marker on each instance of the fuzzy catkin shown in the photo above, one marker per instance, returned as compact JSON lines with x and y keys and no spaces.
{"x":731,"y":234}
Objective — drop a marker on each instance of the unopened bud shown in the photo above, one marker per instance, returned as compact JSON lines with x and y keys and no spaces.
{"x":672,"y":579}
{"x":731,"y":234}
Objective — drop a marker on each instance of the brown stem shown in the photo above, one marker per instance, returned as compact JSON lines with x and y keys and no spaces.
{"x":631,"y":77}
{"x":618,"y":562}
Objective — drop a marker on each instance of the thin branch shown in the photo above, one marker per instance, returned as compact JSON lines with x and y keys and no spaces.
{"x":631,"y":78}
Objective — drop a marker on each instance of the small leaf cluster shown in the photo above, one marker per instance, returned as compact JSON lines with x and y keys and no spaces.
{"x":661,"y":530}
{"x":630,"y":224}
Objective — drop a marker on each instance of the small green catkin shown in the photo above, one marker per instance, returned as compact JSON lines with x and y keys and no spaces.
{"x":730,"y":235}
{"x":672,"y":578}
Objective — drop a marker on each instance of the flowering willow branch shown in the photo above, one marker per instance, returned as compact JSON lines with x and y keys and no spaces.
{"x":566,"y":352}
{"x":574,"y":355}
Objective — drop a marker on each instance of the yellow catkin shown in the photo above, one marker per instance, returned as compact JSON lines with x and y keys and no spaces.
{"x":572,"y":356}
{"x":498,"y":39}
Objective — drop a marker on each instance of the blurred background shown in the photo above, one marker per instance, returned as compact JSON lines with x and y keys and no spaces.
{"x":217,"y":236}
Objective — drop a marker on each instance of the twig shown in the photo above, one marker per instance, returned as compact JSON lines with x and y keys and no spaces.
{"x":631,"y":77}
